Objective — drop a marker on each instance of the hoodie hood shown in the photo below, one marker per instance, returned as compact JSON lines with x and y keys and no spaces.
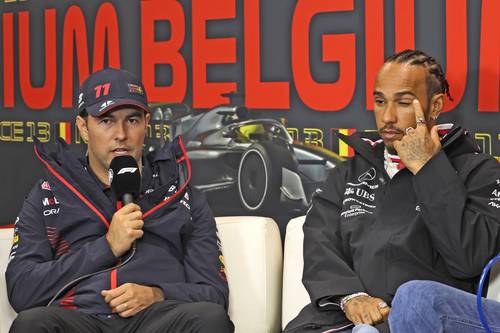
{"x":68,"y":175}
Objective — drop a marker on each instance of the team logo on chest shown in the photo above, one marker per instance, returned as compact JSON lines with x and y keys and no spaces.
{"x":359,"y":197}
{"x":495,"y":196}
{"x":368,"y":175}
{"x":185,"y":201}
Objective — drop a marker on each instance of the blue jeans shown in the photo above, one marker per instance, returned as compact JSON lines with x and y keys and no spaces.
{"x":361,"y":328}
{"x":426,"y":306}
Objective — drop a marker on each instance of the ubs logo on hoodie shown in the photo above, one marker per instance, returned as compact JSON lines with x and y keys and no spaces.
{"x":359,"y":197}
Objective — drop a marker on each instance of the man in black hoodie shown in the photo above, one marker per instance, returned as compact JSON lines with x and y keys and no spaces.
{"x":82,"y":263}
{"x":415,"y":203}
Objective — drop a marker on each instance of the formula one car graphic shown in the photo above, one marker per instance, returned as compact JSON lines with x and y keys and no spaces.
{"x":247,"y":166}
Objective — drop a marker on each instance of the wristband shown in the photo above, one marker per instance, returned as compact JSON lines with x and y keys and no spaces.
{"x":347,"y":298}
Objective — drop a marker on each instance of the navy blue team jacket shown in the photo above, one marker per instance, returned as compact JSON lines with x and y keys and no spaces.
{"x":60,"y":236}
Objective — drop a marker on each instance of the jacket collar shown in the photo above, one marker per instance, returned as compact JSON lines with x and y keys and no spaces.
{"x":69,"y":173}
{"x":66,"y":172}
{"x":457,"y":141}
{"x":454,"y":140}
{"x":368,"y":145}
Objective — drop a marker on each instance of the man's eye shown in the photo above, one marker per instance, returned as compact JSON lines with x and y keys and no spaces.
{"x":404,"y":103}
{"x":105,"y":121}
{"x":379,"y":102}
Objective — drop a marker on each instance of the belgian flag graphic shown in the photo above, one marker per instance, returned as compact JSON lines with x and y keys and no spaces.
{"x":344,"y":149}
{"x":65,"y":131}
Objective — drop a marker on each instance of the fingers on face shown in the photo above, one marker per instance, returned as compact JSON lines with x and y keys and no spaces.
{"x":418,"y":108}
{"x":410,"y":131}
{"x":419,"y":113}
{"x":421,"y":122}
{"x":435,"y":136}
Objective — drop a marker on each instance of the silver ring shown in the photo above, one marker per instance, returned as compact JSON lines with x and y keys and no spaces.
{"x":420,"y":121}
{"x":410,"y":130}
{"x":382,"y":305}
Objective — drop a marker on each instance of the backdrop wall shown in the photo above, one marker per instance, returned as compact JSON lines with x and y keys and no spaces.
{"x":311,"y":62}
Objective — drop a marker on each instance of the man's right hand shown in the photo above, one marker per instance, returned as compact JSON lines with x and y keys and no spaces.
{"x":125,"y":228}
{"x":366,"y":310}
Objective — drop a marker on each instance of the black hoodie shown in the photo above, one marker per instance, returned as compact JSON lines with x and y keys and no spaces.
{"x":368,"y":233}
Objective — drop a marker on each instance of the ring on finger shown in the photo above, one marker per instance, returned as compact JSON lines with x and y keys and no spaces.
{"x":410,"y":130}
{"x":125,"y":306}
{"x":420,"y":121}
{"x":382,"y":305}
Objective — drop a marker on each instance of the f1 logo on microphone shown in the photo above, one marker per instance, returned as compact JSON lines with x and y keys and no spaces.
{"x":126,"y":170}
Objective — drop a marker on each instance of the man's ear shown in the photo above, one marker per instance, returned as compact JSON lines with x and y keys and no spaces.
{"x":147,"y":117}
{"x":436,"y":106}
{"x":81,"y":123}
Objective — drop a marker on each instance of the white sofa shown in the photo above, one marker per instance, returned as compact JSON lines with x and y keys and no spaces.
{"x":7,"y":314}
{"x":253,"y":259}
{"x":295,"y":296}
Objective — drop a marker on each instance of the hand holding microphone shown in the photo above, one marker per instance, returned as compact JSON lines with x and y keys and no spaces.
{"x":126,"y":225}
{"x":125,"y":228}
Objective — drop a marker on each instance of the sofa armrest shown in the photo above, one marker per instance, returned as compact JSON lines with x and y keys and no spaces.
{"x":253,"y":259}
{"x":7,"y":314}
{"x":295,"y":296}
{"x":494,"y":283}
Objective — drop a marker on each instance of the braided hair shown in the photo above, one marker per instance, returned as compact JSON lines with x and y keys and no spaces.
{"x":436,"y":81}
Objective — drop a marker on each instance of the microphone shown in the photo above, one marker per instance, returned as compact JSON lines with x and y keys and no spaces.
{"x":125,"y":178}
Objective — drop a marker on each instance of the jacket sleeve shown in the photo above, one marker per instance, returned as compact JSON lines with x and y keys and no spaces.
{"x":34,"y":274}
{"x":327,"y":262}
{"x":203,"y":260}
{"x":461,"y":209}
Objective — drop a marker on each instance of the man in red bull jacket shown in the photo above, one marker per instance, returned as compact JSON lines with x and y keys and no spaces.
{"x":80,"y":263}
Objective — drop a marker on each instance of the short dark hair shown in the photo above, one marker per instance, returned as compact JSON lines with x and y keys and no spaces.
{"x":436,"y":80}
{"x":84,"y":113}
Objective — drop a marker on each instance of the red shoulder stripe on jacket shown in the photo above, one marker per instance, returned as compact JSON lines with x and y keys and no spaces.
{"x":72,"y":188}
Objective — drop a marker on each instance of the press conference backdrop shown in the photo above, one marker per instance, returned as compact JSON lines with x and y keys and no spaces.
{"x":310,"y":62}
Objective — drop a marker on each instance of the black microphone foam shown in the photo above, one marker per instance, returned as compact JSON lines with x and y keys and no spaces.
{"x":125,"y":178}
